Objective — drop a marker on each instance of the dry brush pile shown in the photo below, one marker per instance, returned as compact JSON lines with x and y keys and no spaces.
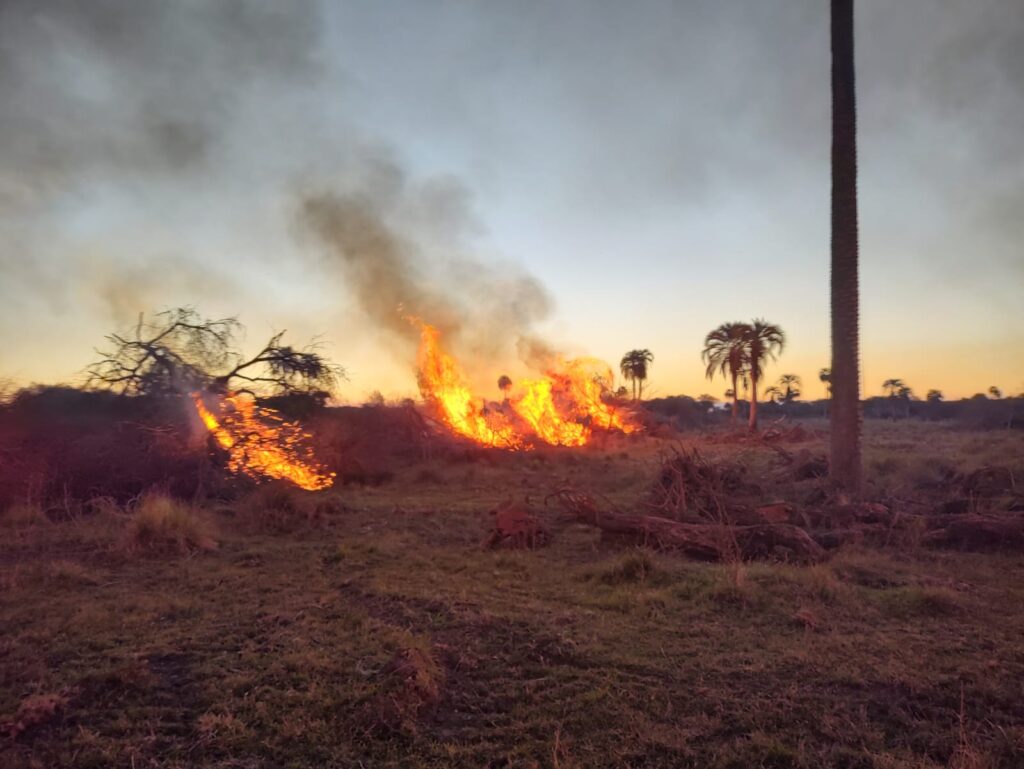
{"x":713,"y":510}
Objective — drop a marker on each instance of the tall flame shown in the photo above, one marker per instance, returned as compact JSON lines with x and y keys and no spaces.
{"x":586,"y":380}
{"x":442,"y":383}
{"x":535,"y":403}
{"x":561,"y":409}
{"x":260,"y":443}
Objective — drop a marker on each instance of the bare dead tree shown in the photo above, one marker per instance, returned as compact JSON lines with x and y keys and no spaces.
{"x":179,"y":351}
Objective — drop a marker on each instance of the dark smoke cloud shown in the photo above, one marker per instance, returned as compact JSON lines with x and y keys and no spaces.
{"x":116,"y":112}
{"x":115,"y":85}
{"x":399,"y":249}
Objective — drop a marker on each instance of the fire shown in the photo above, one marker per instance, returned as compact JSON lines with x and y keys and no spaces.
{"x":443,"y":385}
{"x":262,"y":444}
{"x":536,"y":405}
{"x":561,"y":409}
{"x":587,"y":379}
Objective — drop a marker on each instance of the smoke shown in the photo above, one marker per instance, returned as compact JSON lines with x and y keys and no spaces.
{"x":119,"y":118}
{"x":137,"y":138}
{"x":146,"y":88}
{"x":400,"y":248}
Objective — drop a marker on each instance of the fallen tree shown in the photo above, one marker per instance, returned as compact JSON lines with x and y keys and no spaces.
{"x":701,"y":541}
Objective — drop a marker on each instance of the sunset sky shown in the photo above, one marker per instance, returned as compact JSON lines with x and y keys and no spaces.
{"x":599,"y":175}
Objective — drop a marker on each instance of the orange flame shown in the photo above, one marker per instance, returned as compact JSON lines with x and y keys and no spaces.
{"x":443,"y":385}
{"x":561,"y":409}
{"x":536,"y":405}
{"x":586,"y":380}
{"x":260,"y":443}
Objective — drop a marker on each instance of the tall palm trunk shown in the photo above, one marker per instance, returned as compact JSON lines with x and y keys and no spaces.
{"x":846,"y":413}
{"x":735,"y":397}
{"x":753,"y":402}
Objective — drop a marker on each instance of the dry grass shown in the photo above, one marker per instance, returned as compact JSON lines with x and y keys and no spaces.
{"x":23,"y":514}
{"x":279,"y":508}
{"x":383,"y":636}
{"x":160,"y":524}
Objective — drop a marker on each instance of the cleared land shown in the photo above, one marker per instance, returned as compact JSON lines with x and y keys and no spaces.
{"x":367,"y":628}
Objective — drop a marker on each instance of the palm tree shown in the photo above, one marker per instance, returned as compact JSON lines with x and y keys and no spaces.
{"x":724,"y":352}
{"x":825,"y":376}
{"x":762,"y":340}
{"x":893,"y":388}
{"x":995,"y":392}
{"x":790,"y":384}
{"x":906,"y":395}
{"x":773,"y":395}
{"x":846,"y":464}
{"x":634,"y":365}
{"x":934,"y":396}
{"x":504,"y":384}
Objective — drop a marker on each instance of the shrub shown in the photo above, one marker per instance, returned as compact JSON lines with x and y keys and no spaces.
{"x":629,"y":568}
{"x":162,"y":524}
{"x":282,"y":508}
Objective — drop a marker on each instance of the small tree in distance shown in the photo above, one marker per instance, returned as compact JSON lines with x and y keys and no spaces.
{"x":790,"y":385}
{"x":505,"y":385}
{"x":634,"y":367}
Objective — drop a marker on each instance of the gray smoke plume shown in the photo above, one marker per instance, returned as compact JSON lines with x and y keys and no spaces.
{"x":117,"y":112}
{"x":399,"y":247}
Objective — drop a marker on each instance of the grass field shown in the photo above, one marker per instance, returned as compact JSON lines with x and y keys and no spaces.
{"x":377,"y":633}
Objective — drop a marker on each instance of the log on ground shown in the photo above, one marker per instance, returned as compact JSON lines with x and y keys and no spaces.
{"x":709,"y":541}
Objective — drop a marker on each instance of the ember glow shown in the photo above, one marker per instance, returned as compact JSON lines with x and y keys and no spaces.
{"x":562,"y":408}
{"x":261,"y":444}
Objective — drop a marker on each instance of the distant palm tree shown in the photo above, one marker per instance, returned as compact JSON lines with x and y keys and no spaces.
{"x":773,"y":395}
{"x":845,"y":465}
{"x":892,"y":386}
{"x":725,"y":353}
{"x":504,"y":384}
{"x":634,"y":366}
{"x":934,"y":396}
{"x":790,"y":385}
{"x":762,"y":340}
{"x":995,"y":392}
{"x":825,"y":376}
{"x":906,"y":395}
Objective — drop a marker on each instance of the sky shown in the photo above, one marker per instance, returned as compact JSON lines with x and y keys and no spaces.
{"x":590,"y":176}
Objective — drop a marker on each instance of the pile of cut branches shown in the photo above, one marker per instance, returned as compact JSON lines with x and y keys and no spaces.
{"x":706,"y":541}
{"x":691,"y":488}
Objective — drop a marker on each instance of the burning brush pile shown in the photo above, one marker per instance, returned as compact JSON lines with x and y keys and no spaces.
{"x":563,"y":407}
{"x":261,"y":444}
